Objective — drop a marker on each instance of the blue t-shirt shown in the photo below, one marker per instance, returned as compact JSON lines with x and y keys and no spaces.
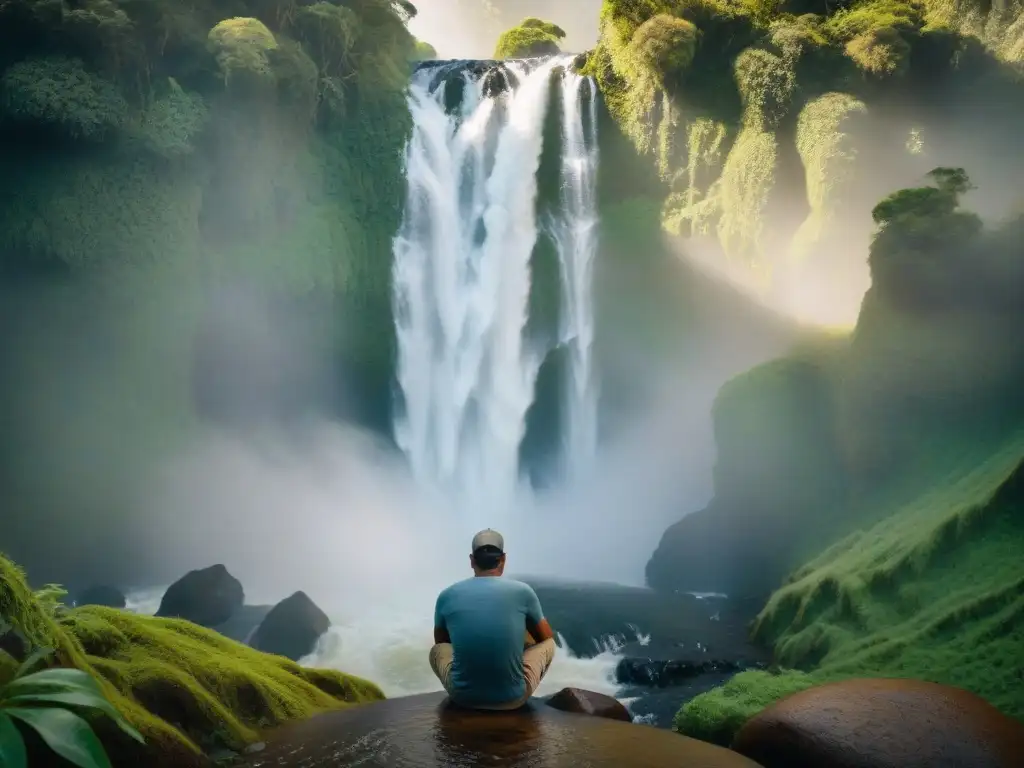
{"x":486,"y":619}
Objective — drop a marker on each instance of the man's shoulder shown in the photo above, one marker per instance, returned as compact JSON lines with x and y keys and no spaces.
{"x":519,"y":589}
{"x":454,"y":589}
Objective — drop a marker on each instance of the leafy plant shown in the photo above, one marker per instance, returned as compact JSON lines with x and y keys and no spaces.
{"x":46,"y":702}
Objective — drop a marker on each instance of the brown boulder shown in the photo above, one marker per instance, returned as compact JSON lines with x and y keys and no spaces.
{"x":426,"y":732}
{"x":583,"y":702}
{"x":882,"y":724}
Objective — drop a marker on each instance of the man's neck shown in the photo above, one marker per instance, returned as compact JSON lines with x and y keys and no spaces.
{"x":479,"y":574}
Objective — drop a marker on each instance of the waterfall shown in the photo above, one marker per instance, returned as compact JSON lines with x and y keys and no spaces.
{"x":575,"y":234}
{"x":466,"y":369}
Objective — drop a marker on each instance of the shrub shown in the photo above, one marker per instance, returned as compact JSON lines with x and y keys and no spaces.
{"x":60,"y":93}
{"x":880,"y":51}
{"x":664,"y":45}
{"x":242,"y":47}
{"x":532,"y":38}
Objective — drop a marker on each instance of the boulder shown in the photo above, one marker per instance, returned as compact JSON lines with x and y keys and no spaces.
{"x":110,"y":597}
{"x":880,"y":724}
{"x":208,"y":597}
{"x":583,"y":702}
{"x":426,"y":732}
{"x":292,"y":628}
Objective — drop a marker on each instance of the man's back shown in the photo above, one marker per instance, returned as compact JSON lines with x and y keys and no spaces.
{"x":486,"y":619}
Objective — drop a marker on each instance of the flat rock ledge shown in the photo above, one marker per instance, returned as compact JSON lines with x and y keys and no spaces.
{"x":426,"y":731}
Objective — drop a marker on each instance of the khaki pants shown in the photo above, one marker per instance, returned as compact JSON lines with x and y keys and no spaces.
{"x":536,"y":660}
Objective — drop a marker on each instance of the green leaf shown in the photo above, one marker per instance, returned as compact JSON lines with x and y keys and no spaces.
{"x":34,"y":658}
{"x":12,"y":746}
{"x":86,"y":699}
{"x":58,"y":678}
{"x":65,"y":733}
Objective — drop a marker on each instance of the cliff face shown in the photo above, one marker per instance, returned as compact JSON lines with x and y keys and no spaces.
{"x":816,"y":444}
{"x":873,"y":487}
{"x":777,"y":127}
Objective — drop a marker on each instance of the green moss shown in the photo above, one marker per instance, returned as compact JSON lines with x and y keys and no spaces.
{"x":717,"y":715}
{"x":532,"y":37}
{"x":184,"y":687}
{"x":931,"y":591}
{"x":221,"y":687}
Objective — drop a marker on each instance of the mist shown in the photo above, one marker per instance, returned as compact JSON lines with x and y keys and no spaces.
{"x":469,"y":29}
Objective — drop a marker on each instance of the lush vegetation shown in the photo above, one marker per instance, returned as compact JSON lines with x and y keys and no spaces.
{"x":48,"y":702}
{"x":903,"y":548}
{"x":190,"y":191}
{"x":776,"y":126}
{"x":532,"y":37}
{"x":186,"y":689}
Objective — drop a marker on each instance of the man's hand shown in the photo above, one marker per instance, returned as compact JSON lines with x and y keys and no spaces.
{"x":540,"y":632}
{"x":441,"y":635}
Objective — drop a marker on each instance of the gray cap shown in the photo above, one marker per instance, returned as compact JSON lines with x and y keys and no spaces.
{"x":488,"y":538}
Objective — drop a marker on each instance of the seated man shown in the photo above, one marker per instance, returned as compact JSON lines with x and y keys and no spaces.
{"x":479,"y":629}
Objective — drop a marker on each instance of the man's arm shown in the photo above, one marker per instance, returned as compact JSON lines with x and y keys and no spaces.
{"x":536,"y":624}
{"x":440,"y":628}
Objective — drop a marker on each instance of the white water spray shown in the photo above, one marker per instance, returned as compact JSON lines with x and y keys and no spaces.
{"x":575,"y":234}
{"x":462,"y":280}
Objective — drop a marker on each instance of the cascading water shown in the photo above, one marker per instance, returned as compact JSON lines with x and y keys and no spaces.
{"x":462,"y":277}
{"x":575,"y":234}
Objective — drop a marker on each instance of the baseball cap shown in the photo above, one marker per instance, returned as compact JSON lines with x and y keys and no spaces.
{"x":488,"y":538}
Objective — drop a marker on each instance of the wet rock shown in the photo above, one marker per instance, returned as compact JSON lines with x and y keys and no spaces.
{"x":110,"y":597}
{"x":498,"y":80}
{"x":661,"y":674}
{"x":208,"y":597}
{"x":292,"y":628}
{"x":243,"y":623}
{"x":583,"y":702}
{"x":882,"y":723}
{"x":425,"y":732}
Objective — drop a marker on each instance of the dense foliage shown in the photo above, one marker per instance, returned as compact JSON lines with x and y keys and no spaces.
{"x":532,"y":37}
{"x":195,"y":192}
{"x":758,"y":113}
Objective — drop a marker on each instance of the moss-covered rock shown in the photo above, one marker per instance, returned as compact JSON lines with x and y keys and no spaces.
{"x":716,"y":716}
{"x":185,"y":688}
{"x":533,"y":37}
